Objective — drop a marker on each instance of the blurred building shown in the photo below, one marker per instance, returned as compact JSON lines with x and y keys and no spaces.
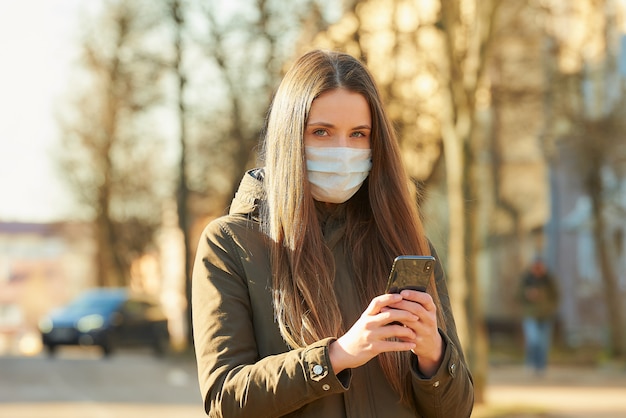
{"x":41,"y":267}
{"x":540,"y":205}
{"x":574,"y":256}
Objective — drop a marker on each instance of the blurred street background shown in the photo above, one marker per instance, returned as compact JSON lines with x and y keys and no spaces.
{"x":133,"y":383}
{"x":126,"y":125}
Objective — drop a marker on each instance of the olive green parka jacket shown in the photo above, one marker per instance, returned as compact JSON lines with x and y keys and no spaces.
{"x":245,"y":369}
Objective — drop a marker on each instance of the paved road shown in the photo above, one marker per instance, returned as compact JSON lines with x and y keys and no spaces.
{"x":80,"y":383}
{"x":564,"y":392}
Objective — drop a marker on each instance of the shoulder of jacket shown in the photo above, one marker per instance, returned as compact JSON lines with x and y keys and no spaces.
{"x":231,"y":223}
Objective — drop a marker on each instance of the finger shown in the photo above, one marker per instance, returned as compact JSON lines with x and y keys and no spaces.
{"x":382,"y":301}
{"x":397,"y":331}
{"x":422,"y":298}
{"x":388,"y":315}
{"x":397,"y":345}
{"x":415,"y":308}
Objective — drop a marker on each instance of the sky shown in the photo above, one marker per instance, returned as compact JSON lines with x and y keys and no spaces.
{"x":37,"y":47}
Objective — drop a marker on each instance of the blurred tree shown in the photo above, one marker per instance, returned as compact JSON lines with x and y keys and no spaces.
{"x":595,"y":143}
{"x":518,"y":170}
{"x":430,"y":58}
{"x":110,"y":155}
{"x":237,"y":51}
{"x":176,"y":12}
{"x":468,"y":30}
{"x":244,"y":47}
{"x":587,"y":116}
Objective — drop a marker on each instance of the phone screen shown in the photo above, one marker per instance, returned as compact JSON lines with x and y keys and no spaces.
{"x":410,"y":272}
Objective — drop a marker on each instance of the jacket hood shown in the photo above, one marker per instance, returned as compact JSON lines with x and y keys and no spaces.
{"x":250,"y":194}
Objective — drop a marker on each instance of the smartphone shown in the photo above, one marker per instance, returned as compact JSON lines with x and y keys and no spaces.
{"x":410,"y":272}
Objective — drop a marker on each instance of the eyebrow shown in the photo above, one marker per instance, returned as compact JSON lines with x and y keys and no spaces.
{"x":330,"y":125}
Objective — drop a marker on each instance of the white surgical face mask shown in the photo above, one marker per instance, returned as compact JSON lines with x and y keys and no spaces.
{"x":336,"y":173}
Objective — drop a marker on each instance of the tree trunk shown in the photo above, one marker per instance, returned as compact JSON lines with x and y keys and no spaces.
{"x":182,"y":191}
{"x":456,"y":234}
{"x":478,"y":348}
{"x":110,"y":273}
{"x":609,"y":278}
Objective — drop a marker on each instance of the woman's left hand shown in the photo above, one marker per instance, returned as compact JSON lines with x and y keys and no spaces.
{"x":428,"y":341}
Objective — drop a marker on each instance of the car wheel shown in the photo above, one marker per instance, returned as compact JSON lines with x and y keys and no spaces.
{"x":51,"y":349}
{"x":161,"y":343}
{"x":107,"y":347}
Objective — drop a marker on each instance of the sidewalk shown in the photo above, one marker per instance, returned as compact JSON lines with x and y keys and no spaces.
{"x":572,"y":392}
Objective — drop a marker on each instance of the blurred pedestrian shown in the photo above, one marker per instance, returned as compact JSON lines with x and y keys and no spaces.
{"x":290,"y":315}
{"x":539,"y":296}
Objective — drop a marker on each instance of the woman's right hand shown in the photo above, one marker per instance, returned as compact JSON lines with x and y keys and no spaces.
{"x":371,"y":334}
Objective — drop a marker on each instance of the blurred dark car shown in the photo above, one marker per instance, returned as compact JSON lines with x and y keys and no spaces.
{"x":108,"y":318}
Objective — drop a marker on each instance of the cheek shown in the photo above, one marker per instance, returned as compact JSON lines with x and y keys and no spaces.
{"x":361,"y":143}
{"x":311,"y":141}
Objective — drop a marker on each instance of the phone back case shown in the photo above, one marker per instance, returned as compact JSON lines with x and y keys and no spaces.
{"x":410,"y":272}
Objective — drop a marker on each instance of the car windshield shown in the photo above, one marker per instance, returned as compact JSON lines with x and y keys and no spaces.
{"x":95,"y":302}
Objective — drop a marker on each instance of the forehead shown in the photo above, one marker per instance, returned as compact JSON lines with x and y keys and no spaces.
{"x":340,"y":104}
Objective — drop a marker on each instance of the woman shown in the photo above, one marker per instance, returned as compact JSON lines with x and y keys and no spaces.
{"x":290,"y":317}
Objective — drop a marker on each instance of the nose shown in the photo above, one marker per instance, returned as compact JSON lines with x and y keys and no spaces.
{"x":342,"y":141}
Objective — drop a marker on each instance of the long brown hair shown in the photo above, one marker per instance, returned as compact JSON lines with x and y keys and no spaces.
{"x":382,"y":220}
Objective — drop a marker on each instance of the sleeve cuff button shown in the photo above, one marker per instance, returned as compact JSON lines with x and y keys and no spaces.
{"x":452,"y":369}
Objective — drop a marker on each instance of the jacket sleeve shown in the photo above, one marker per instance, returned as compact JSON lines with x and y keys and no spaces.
{"x":234,"y":380}
{"x":450,"y":392}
